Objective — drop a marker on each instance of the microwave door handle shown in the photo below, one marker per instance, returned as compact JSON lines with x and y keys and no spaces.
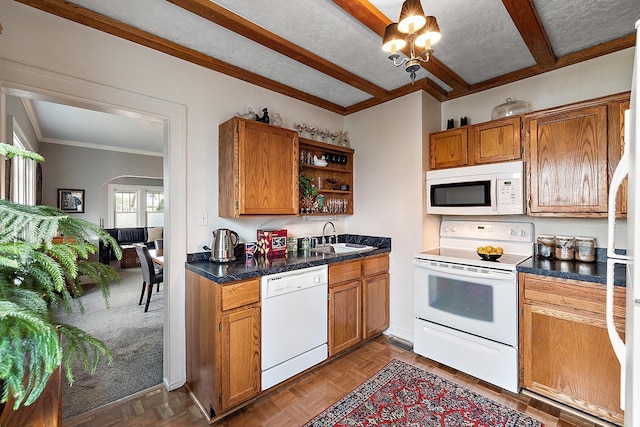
{"x":494,"y":202}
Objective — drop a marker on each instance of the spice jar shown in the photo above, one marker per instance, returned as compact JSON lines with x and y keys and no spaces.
{"x":585,"y":249}
{"x":564,"y":248}
{"x":546,"y":245}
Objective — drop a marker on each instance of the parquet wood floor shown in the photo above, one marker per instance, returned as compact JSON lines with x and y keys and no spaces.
{"x":300,"y":399}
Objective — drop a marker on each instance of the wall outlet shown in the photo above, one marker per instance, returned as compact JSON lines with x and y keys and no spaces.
{"x":203,"y":220}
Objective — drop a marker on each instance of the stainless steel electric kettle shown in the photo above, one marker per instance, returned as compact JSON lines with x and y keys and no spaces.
{"x":224,"y":243}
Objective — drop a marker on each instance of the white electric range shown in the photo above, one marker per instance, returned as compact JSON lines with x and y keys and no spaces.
{"x":466,"y":308}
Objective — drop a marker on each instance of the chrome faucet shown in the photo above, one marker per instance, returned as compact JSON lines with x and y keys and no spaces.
{"x":327,"y":240}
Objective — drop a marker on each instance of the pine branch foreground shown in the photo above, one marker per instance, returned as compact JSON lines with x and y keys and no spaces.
{"x":36,"y":276}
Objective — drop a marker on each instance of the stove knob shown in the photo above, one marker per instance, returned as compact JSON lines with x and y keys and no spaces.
{"x":512,"y":232}
{"x":523,"y":233}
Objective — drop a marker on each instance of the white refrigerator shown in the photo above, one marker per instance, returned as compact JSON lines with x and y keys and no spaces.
{"x":628,"y":351}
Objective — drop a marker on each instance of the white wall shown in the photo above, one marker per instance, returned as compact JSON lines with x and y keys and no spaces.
{"x":89,"y":169}
{"x":590,"y":79}
{"x":388,"y":191}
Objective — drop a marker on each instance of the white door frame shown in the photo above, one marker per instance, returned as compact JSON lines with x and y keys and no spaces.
{"x":25,"y":81}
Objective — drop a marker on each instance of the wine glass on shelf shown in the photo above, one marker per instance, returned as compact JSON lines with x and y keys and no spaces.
{"x":333,"y":137}
{"x":323,"y":134}
{"x":312,"y":131}
{"x":301,"y":127}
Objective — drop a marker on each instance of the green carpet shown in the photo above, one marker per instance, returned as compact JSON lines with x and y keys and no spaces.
{"x":133,"y":336}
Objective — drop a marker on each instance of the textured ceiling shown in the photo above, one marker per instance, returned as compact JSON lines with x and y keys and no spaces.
{"x":328,"y":52}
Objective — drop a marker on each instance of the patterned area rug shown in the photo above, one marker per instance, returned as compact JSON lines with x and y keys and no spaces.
{"x":404,"y":395}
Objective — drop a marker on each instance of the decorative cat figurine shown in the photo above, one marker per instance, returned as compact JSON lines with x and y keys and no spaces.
{"x":265,"y":116}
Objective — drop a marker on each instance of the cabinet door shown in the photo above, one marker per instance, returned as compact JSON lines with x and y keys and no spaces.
{"x":569,"y":358}
{"x":568,"y":153}
{"x":345,"y":308}
{"x":497,"y":141}
{"x":449,"y":148}
{"x":616,"y":149}
{"x":241,"y":368}
{"x":268,"y":170}
{"x":257,"y":169}
{"x":375,"y":303}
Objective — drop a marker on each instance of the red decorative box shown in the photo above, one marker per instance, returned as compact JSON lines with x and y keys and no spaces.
{"x":272,"y":242}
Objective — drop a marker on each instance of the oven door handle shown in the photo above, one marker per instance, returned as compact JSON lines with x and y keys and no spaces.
{"x":506,"y":275}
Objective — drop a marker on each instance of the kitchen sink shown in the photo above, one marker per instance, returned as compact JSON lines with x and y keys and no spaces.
{"x":343,"y":249}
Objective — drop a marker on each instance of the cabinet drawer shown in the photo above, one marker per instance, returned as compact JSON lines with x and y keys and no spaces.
{"x":345,"y":271}
{"x":572,"y":294}
{"x":375,"y":265}
{"x":241,"y":293}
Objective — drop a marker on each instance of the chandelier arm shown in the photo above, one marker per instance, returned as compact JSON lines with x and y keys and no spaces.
{"x":396,"y":56}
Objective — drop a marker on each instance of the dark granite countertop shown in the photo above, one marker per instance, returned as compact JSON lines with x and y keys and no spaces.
{"x":595,"y":272}
{"x":242,"y":269}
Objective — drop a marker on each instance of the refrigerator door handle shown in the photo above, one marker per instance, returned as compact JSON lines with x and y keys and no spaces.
{"x":621,"y":172}
{"x":614,"y":337}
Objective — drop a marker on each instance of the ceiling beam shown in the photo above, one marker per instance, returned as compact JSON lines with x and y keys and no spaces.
{"x":376,"y":21}
{"x":525,"y":16}
{"x":227,"y":19}
{"x":108,"y":25}
{"x":424,"y":84}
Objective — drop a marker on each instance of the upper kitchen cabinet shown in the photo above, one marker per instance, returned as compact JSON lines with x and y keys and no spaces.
{"x":488,"y":142}
{"x":616,"y":111}
{"x":497,"y":141}
{"x":257,"y":169}
{"x":334,"y":181}
{"x":449,"y":148}
{"x":572,"y":152}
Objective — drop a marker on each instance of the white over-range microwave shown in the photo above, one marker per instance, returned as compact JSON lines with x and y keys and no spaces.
{"x":494,"y":189}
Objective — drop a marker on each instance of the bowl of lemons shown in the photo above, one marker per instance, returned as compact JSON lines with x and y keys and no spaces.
{"x":489,"y":253}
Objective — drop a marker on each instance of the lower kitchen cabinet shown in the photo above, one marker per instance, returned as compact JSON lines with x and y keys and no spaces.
{"x":358,"y":301}
{"x":565,"y":350}
{"x":223,"y":342}
{"x":345,"y":306}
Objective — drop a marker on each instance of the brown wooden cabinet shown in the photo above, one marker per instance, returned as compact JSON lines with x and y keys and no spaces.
{"x":489,"y":142}
{"x":573,"y":151}
{"x":338,"y":172}
{"x":223,"y":342}
{"x":358,"y":301}
{"x":375,"y":296}
{"x":565,"y":353}
{"x":449,"y":148}
{"x":257,"y":169}
{"x":497,"y":141}
{"x":568,"y":154}
{"x":616,"y":110}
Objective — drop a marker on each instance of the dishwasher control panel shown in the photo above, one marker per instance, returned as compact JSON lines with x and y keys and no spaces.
{"x":291,"y":281}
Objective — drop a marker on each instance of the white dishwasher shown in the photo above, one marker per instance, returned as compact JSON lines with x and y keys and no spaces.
{"x":294,"y":323}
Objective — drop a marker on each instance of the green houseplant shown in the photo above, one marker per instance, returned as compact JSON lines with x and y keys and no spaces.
{"x":36,"y":276}
{"x":308,"y":192}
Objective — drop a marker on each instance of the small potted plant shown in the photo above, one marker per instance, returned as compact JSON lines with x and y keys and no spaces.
{"x":36,"y":276}
{"x":308,"y":193}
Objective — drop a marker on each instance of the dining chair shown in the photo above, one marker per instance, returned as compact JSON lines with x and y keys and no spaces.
{"x":151,"y":274}
{"x":159,"y":244}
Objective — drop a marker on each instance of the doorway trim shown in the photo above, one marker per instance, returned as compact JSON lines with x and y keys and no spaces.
{"x":26,"y":81}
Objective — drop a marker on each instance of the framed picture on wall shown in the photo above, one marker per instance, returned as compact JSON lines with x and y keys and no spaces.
{"x":71,"y":201}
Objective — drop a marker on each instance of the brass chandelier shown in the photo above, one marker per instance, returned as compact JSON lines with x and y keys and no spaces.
{"x":416,"y":29}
